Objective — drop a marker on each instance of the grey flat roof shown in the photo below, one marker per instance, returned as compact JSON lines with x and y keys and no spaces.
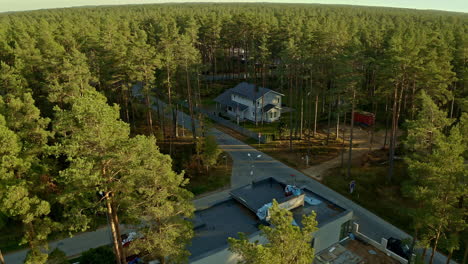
{"x":223,"y":220}
{"x":255,"y":195}
{"x":325,"y":211}
{"x":238,"y":214}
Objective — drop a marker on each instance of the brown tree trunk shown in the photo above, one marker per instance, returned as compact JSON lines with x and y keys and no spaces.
{"x":424,"y":254}
{"x":315,"y":115}
{"x":393,"y":134}
{"x":350,"y":154}
{"x":465,"y":254}
{"x":343,"y":144}
{"x":434,"y":248}
{"x":337,"y":131}
{"x":449,"y":257}
{"x":329,"y":120}
{"x":290,"y":116}
{"x":115,"y":237}
{"x":199,"y":106}
{"x":2,"y":260}
{"x":115,"y":218}
{"x":148,"y":113}
{"x":189,"y":91}
{"x":387,"y":119}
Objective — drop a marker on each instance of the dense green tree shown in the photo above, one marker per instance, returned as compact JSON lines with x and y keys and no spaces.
{"x":109,"y":168}
{"x":160,"y":204}
{"x":286,"y":243}
{"x":317,"y":55}
{"x":438,"y":174}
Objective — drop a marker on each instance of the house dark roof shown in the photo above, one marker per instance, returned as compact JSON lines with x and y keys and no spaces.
{"x":243,"y":89}
{"x":249,"y":91}
{"x":225,"y":99}
{"x":268,"y":107}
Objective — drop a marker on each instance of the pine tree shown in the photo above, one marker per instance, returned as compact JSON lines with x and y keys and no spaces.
{"x":287,"y":243}
{"x":437,"y":171}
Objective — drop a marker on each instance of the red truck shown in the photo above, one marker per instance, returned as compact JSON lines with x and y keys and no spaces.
{"x":364,"y":118}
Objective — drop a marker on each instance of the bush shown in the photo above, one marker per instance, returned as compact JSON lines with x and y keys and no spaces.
{"x":100,"y":255}
{"x":209,"y":149}
{"x":57,"y":256}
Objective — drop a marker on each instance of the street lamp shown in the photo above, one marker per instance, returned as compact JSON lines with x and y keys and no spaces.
{"x":252,"y":159}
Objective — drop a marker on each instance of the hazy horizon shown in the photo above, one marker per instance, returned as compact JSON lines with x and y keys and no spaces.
{"x":28,"y":5}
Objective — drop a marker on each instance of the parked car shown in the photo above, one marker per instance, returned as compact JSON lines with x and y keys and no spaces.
{"x":398,"y":247}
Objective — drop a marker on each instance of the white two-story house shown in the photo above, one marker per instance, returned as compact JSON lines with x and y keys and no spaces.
{"x":249,"y":102}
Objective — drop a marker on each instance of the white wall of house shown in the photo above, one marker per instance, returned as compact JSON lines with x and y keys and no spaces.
{"x":249,"y":113}
{"x":242,"y":100}
{"x":271,"y":98}
{"x":329,"y":233}
{"x":272,"y":115}
{"x":234,"y":113}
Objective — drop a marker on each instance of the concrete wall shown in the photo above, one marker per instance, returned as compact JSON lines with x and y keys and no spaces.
{"x":289,"y":204}
{"x":381,"y":246}
{"x":329,"y":233}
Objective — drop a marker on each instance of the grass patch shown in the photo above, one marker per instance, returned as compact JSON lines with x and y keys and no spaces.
{"x":315,"y":148}
{"x":372,"y":192}
{"x":201,"y":180}
{"x":217,"y":177}
{"x":266,"y":128}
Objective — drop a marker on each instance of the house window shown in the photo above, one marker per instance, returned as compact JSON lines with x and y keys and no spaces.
{"x":229,"y":108}
{"x":271,"y":115}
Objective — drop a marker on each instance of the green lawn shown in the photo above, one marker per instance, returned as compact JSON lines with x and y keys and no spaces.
{"x":373,"y":193}
{"x":266,"y":128}
{"x":217,"y":177}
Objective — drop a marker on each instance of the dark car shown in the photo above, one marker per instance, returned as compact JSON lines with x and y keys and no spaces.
{"x":397,"y":247}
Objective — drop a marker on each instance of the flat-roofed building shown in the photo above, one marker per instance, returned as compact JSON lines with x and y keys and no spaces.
{"x":241,"y":211}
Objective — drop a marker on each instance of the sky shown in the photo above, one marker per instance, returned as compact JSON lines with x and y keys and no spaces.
{"x":447,"y":5}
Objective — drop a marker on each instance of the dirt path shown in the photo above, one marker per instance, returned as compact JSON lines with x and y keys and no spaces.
{"x":362,"y":138}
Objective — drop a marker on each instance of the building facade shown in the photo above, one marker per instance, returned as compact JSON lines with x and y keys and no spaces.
{"x":250,"y":102}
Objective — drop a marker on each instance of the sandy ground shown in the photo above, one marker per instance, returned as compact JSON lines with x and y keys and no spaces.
{"x":362,"y":138}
